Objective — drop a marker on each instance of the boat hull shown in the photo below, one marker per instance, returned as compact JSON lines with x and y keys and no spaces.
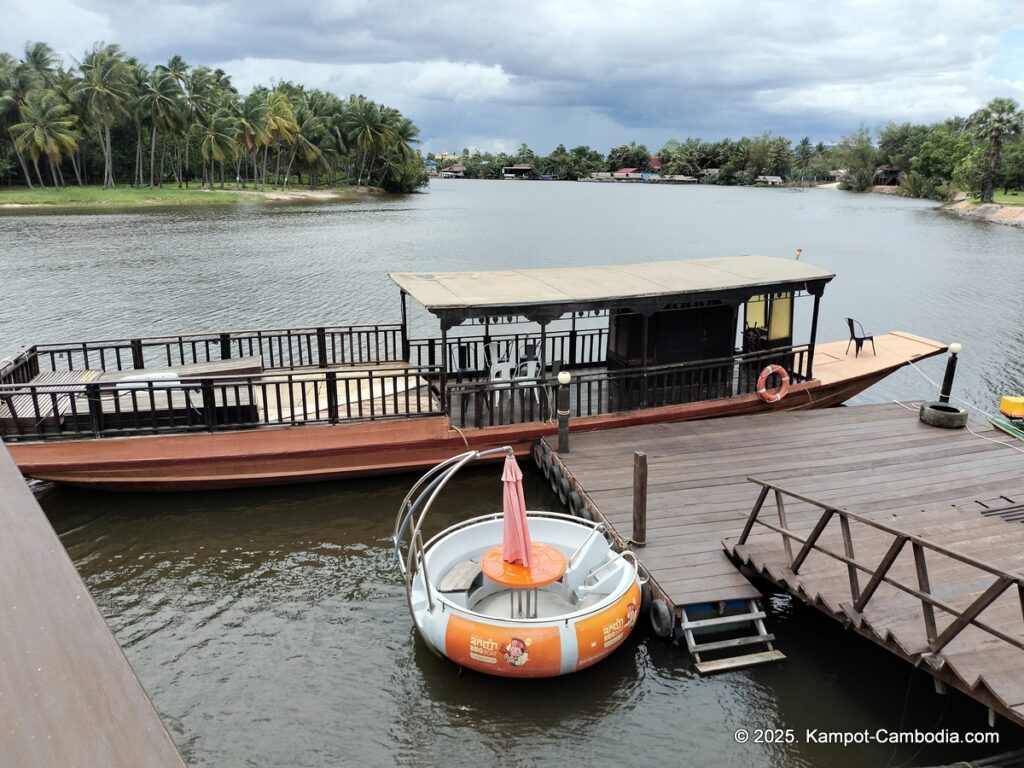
{"x":309,"y":453}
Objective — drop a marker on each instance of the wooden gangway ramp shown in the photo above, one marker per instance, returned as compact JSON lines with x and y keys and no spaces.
{"x":68,"y":696}
{"x":934,"y":519}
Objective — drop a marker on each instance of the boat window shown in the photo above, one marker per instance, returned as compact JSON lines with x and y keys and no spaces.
{"x":755,"y":313}
{"x":781,"y":320}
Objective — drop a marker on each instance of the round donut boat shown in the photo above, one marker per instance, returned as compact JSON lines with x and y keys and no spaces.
{"x":495,"y":618}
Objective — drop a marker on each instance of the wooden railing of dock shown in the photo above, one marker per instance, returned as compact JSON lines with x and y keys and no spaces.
{"x":940,"y":574}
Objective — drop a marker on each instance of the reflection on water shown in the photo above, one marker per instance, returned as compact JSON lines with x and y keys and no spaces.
{"x":270,"y":626}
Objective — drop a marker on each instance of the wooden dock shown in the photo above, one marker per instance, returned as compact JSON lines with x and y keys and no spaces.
{"x":916,"y":533}
{"x":67,"y":694}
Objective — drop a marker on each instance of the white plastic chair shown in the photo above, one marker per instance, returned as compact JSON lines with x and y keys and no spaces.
{"x":529,"y":370}
{"x":501,"y":375}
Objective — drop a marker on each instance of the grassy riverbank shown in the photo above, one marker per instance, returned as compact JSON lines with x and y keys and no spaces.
{"x":131,"y":197}
{"x":1013,"y":198}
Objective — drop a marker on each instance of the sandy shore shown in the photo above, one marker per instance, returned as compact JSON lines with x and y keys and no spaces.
{"x":1012,"y":215}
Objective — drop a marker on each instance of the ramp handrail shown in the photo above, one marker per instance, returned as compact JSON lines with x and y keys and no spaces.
{"x":879,"y":574}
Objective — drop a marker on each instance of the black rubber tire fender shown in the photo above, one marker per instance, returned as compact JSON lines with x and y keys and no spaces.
{"x":564,"y":489}
{"x":538,"y":455}
{"x":547,"y":465}
{"x":575,"y":503}
{"x":586,"y":514}
{"x":661,"y":618}
{"x":555,"y":477}
{"x":943,"y":415}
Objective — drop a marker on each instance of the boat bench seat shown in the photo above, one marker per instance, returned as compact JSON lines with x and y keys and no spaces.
{"x":461,"y":577}
{"x":18,"y":412}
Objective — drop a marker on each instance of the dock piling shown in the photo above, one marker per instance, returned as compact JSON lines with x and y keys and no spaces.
{"x":947,"y":380}
{"x":639,"y":537}
{"x":562,"y":409}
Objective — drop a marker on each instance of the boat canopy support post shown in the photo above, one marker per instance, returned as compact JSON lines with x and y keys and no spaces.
{"x":814,"y":335}
{"x":444,"y":368}
{"x":405,"y":330}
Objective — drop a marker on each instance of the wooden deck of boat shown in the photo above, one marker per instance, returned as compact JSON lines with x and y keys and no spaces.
{"x":961,"y":491}
{"x":67,"y":694}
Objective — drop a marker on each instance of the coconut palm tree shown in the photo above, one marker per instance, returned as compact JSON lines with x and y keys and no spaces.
{"x":997,"y":121}
{"x":17,"y":81}
{"x":104,"y":91}
{"x":162,"y":100}
{"x":281,"y":127}
{"x":250,"y":130}
{"x":218,"y":143}
{"x":308,"y":132}
{"x":48,"y":129}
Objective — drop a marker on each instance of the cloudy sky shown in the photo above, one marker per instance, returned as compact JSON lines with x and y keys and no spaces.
{"x":491,"y":75}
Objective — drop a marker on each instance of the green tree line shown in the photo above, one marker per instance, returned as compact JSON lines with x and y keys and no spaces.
{"x":977,"y":154}
{"x":111,"y":120}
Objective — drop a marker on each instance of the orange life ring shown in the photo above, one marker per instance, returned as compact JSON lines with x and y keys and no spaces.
{"x":762,"y":380}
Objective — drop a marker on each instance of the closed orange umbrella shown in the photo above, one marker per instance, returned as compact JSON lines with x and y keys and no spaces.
{"x":515,"y":544}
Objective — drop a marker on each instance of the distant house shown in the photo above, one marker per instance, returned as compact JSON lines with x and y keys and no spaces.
{"x":627,"y":173}
{"x":655,"y":163}
{"x":517,"y":171}
{"x":887,"y":176}
{"x":836,"y":174}
{"x":709,"y":175}
{"x":457,"y":171}
{"x":680,"y":179}
{"x":769,"y":181}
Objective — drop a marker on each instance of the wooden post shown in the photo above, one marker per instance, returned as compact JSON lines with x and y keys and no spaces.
{"x":444,"y":370}
{"x":844,"y":524}
{"x":92,"y":394}
{"x":209,"y":404}
{"x":321,"y":347}
{"x":947,"y":380}
{"x":923,"y":584}
{"x":639,"y":537}
{"x":138,"y":362}
{"x":784,"y":523}
{"x":332,"y":396}
{"x":225,"y":346}
{"x":814,"y":337}
{"x":405,"y":331}
{"x":562,"y":408}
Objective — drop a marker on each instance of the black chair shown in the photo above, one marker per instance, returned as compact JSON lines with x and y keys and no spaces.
{"x":858,"y":339}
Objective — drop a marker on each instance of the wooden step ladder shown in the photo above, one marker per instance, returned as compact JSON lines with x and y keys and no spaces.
{"x":763,"y":638}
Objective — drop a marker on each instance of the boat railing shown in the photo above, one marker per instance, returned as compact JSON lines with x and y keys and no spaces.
{"x":407,"y":538}
{"x":319,"y":346}
{"x":227,"y":402}
{"x":498,"y":403}
{"x":575,"y":348}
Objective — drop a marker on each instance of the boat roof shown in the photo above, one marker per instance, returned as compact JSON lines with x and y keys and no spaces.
{"x":543,"y":294}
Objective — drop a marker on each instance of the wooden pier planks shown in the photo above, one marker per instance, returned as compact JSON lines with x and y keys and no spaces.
{"x":67,"y":694}
{"x":950,"y":487}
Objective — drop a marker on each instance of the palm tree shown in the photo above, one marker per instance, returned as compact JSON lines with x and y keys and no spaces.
{"x":196,"y":87}
{"x":162,"y":101}
{"x":104,"y":90}
{"x":307,"y":133}
{"x":18,"y":81}
{"x":218,"y":143}
{"x":62,"y":83}
{"x":251,"y":129}
{"x":997,"y":121}
{"x":281,"y":127}
{"x":47,"y":129}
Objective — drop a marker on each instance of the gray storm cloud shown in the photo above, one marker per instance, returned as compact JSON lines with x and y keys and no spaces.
{"x":494,"y":75}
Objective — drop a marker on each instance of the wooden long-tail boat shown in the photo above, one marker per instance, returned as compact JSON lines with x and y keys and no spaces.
{"x":644,"y":343}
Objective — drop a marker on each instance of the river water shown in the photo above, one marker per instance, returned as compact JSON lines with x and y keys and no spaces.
{"x":270,"y":626}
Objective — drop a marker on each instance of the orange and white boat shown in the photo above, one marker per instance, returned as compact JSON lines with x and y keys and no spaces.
{"x":573,"y":605}
{"x":645,"y":343}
